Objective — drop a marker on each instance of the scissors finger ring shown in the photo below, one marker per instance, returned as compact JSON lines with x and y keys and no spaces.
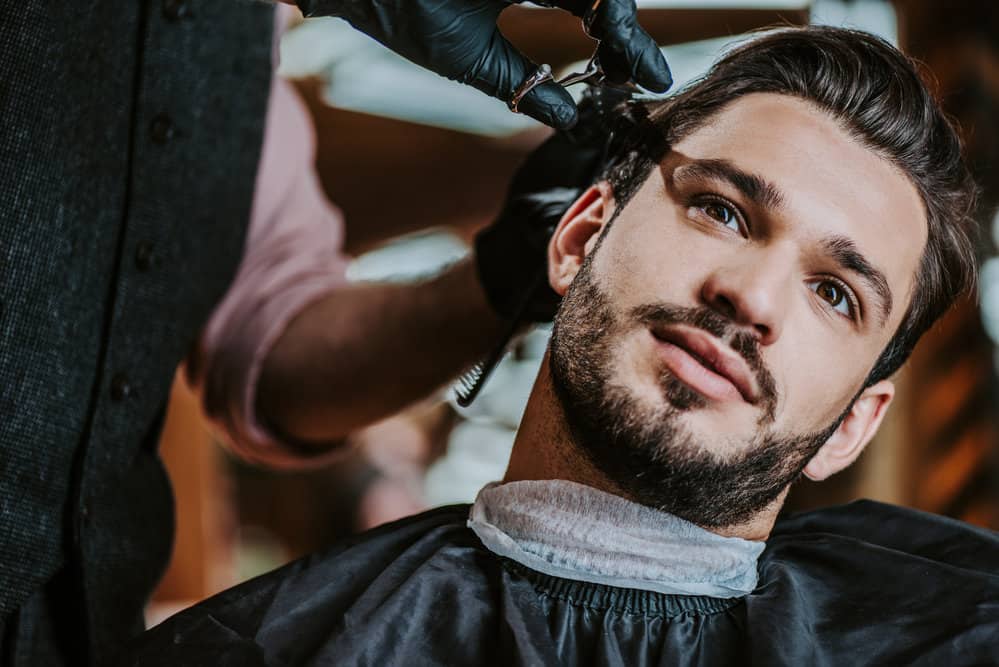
{"x":541,"y":74}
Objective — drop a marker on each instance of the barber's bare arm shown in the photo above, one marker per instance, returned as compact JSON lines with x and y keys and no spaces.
{"x":362,"y":352}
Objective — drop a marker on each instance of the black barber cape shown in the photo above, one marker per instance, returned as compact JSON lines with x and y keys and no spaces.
{"x":861,"y":584}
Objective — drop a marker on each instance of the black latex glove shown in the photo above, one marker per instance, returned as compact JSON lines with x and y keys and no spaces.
{"x":459,"y":39}
{"x":512,"y":252}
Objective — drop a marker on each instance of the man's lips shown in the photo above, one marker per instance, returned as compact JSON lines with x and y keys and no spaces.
{"x":705,"y":364}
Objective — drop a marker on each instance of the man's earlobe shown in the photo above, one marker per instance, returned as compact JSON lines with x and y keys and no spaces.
{"x":848,"y":441}
{"x":576,"y":235}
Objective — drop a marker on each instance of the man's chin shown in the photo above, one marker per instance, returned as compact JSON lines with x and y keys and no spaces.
{"x":680,"y":396}
{"x":662,"y":393}
{"x":703,"y":420}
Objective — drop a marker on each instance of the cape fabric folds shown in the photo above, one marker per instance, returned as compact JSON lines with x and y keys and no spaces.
{"x":861,"y":584}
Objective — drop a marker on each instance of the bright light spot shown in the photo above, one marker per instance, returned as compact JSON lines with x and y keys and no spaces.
{"x":990,"y":297}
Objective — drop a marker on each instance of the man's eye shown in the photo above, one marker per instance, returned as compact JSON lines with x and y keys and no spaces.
{"x":722,"y":213}
{"x":835,"y":295}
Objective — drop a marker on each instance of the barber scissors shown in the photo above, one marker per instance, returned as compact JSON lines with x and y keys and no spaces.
{"x":593,"y":73}
{"x":543,"y":74}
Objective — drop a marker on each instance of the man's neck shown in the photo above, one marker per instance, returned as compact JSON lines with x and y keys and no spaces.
{"x":544,"y":449}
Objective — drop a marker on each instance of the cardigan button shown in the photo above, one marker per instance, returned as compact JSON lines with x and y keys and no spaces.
{"x":120,"y":388}
{"x":161,"y":129}
{"x":175,"y":10}
{"x":145,"y":258}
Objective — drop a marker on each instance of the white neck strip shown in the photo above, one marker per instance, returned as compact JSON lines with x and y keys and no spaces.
{"x":573,"y":531}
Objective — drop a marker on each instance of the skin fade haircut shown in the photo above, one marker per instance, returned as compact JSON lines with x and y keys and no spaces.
{"x":875,"y":94}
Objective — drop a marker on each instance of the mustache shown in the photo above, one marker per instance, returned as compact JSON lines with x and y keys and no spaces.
{"x":735,"y":336}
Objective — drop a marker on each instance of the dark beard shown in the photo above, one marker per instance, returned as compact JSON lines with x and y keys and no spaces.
{"x":648,"y":454}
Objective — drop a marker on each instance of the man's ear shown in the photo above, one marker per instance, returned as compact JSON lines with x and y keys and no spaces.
{"x":576,"y":235}
{"x":848,"y":441}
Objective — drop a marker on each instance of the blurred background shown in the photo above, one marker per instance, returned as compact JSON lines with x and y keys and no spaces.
{"x":401,"y":149}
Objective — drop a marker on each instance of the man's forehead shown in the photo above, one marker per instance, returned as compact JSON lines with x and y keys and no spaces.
{"x":822,"y":182}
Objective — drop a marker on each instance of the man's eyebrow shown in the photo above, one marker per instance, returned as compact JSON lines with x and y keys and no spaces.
{"x":753,"y":187}
{"x":845,"y":253}
{"x":768,"y":196}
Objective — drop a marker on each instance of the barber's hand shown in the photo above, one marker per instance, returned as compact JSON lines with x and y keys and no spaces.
{"x":459,"y":39}
{"x":512,"y":253}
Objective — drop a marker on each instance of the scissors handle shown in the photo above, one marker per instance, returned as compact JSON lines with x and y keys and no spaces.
{"x":591,"y":70}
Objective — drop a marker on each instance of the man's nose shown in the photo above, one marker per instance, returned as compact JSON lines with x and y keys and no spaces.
{"x":754,"y":290}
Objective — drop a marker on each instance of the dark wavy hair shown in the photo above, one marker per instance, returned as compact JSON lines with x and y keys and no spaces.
{"x":877,"y":95}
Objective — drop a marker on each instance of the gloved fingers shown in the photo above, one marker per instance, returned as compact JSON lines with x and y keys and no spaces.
{"x":550,"y":104}
{"x":627,"y":52}
{"x":502,"y":68}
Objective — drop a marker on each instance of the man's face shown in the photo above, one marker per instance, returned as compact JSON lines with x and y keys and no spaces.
{"x":735,"y":307}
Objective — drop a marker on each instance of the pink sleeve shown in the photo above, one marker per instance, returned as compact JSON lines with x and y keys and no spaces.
{"x":292,"y":257}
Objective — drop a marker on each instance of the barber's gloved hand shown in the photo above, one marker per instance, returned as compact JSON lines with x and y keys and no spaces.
{"x":459,"y":39}
{"x":512,"y":253}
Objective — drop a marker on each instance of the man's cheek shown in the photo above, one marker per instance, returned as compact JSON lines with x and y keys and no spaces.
{"x":663,"y":268}
{"x":811,"y":385}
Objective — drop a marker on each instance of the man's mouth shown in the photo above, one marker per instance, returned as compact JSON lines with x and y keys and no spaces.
{"x":705,"y":364}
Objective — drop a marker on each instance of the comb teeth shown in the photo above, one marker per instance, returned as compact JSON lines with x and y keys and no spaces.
{"x":470,"y":383}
